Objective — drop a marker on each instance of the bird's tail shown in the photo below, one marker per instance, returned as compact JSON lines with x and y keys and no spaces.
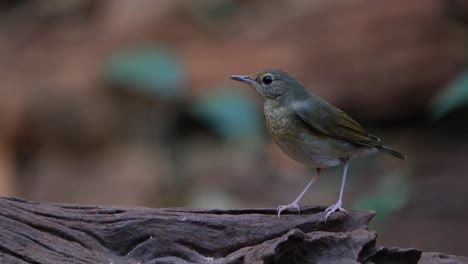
{"x":391,"y":152}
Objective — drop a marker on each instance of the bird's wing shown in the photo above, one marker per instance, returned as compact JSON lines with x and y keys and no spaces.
{"x":330,"y":120}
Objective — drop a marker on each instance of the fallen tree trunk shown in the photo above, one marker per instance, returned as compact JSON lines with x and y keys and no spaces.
{"x":34,"y":232}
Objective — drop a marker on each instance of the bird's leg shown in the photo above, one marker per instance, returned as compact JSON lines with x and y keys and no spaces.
{"x":337,"y":207}
{"x":294,"y":204}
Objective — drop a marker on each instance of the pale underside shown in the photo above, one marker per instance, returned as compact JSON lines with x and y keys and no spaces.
{"x":306,"y":145}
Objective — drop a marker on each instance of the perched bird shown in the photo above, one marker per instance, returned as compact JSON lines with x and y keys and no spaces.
{"x":309,"y":129}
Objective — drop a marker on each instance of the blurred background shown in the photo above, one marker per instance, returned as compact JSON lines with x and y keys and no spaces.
{"x":118,"y":102}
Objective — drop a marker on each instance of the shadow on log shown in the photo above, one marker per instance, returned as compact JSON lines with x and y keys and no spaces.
{"x":34,"y":232}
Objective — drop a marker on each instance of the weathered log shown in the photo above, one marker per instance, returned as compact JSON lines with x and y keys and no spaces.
{"x":34,"y":232}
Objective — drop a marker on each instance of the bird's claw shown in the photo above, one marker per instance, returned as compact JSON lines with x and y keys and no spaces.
{"x":281,"y":208}
{"x":336,"y":207}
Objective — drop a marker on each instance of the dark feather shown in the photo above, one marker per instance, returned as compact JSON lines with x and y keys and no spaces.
{"x":330,"y":120}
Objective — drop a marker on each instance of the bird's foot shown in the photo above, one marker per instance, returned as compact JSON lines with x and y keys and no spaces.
{"x":293,"y":205}
{"x":336,"y":207}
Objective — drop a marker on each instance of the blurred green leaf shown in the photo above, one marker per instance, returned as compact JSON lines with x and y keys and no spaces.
{"x":451,"y":97}
{"x":211,"y":12}
{"x":230,"y":112}
{"x":146,"y":69}
{"x":392,"y":193}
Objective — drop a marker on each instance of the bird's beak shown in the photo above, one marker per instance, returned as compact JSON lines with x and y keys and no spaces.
{"x":243,"y":78}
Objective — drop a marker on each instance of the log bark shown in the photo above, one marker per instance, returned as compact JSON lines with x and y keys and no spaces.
{"x":33,"y":232}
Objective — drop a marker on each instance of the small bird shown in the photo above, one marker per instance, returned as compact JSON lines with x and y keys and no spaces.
{"x":309,"y":129}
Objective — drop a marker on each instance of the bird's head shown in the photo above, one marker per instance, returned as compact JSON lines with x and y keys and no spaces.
{"x":274,"y":84}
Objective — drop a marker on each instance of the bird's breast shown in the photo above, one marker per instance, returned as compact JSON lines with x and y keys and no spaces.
{"x":279,"y":122}
{"x":301,"y":142}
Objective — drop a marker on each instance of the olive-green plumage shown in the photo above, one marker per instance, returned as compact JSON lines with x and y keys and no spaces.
{"x":306,"y":127}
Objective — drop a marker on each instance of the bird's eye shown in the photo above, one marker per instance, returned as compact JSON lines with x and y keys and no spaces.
{"x":267,"y":79}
